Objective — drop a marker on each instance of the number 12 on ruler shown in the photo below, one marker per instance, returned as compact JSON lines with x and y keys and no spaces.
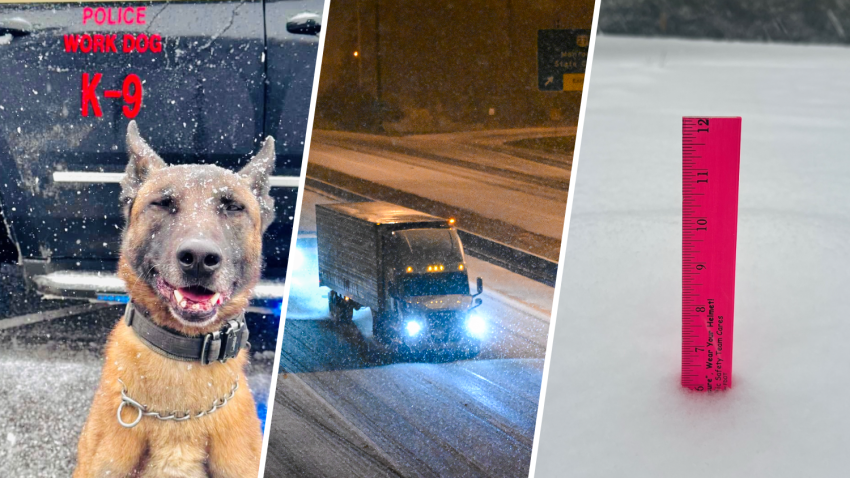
{"x":711,"y":156}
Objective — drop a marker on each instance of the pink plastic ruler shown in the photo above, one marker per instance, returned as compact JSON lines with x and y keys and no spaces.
{"x":711,"y":155}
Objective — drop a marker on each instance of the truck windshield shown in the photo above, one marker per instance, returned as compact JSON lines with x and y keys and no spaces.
{"x":435,"y":284}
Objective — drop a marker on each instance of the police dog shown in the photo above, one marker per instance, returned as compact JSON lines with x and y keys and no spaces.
{"x":190,"y":255}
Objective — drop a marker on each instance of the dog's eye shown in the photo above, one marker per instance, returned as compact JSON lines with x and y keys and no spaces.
{"x":230,"y":205}
{"x":165,"y":203}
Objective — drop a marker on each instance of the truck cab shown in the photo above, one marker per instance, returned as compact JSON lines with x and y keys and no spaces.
{"x":431,"y":284}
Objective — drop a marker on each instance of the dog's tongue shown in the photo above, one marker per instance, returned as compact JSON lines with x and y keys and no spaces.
{"x":196,"y":294}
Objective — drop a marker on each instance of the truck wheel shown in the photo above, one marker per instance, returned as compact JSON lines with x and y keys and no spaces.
{"x":341,"y":310}
{"x":333,"y":306}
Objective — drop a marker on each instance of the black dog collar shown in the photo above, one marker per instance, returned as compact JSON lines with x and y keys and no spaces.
{"x":220,"y":345}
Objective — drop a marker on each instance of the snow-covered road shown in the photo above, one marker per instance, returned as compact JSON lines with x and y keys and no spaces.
{"x":340,"y":410}
{"x":514,"y":195}
{"x":614,"y":406}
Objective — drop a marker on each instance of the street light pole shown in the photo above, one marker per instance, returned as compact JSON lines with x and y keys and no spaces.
{"x":378,"y":87}
{"x":359,"y":47}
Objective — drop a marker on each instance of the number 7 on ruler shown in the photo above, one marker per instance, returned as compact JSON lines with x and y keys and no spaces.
{"x":711,"y":156}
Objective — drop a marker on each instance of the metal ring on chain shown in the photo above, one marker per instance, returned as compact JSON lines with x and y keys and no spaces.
{"x":177,"y":416}
{"x":134,"y":422}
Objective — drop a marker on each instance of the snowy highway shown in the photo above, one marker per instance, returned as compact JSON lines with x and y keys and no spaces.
{"x":516,"y":195}
{"x":342,"y":409}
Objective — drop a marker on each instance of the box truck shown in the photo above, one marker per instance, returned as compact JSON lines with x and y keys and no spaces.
{"x":406,"y":266}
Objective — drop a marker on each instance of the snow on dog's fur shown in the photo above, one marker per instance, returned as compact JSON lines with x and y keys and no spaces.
{"x":169,"y":210}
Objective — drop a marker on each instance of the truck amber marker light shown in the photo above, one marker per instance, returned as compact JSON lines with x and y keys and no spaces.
{"x":711,"y":156}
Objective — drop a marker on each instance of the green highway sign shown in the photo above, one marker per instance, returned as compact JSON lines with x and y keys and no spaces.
{"x":561,"y":59}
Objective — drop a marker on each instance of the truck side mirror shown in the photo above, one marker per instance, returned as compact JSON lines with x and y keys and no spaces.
{"x":480,"y":283}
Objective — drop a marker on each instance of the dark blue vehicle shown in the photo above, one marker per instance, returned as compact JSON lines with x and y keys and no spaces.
{"x":206,"y":81}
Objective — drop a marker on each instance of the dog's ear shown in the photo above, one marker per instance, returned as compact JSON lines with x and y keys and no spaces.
{"x":256,"y":173}
{"x":143,"y":161}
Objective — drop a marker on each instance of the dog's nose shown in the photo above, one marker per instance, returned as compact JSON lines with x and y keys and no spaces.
{"x":198,"y":257}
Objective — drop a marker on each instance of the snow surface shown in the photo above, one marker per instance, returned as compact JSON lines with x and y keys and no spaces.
{"x":515,"y":200}
{"x":614,"y":406}
{"x":49,"y":372}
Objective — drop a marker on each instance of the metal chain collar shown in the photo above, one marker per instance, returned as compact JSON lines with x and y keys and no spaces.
{"x":177,"y":416}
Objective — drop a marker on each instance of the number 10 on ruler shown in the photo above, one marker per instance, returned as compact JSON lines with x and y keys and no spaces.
{"x":711,"y":154}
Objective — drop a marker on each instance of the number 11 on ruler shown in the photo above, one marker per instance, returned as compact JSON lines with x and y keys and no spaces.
{"x":711,"y":155}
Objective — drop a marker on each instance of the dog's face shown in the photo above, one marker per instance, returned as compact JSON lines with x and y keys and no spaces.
{"x":193,"y":235}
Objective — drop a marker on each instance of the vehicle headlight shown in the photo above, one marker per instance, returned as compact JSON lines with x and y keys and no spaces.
{"x":413,"y":328}
{"x":476,"y":326}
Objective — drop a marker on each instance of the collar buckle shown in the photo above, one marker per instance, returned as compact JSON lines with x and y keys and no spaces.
{"x":232,"y":340}
{"x":223,"y":345}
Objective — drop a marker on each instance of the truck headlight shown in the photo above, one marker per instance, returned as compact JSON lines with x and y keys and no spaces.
{"x":476,"y":326}
{"x":413,"y":328}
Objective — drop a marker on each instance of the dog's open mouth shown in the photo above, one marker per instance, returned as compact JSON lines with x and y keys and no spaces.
{"x":193,"y":303}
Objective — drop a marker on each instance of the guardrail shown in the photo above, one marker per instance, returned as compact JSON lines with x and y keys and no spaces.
{"x":515,"y":260}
